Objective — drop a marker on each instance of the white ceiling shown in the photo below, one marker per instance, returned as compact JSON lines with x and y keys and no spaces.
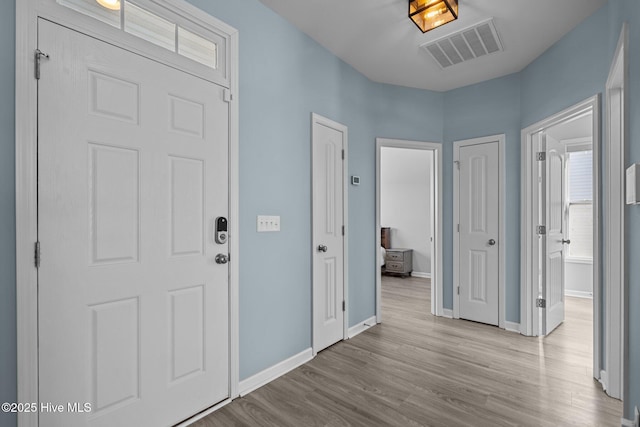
{"x":378,"y":39}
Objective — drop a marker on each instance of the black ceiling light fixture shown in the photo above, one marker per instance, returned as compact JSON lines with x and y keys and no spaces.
{"x":430,"y":14}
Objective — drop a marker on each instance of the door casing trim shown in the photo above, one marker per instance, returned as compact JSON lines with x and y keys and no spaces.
{"x":500,"y":139}
{"x":436,"y":215}
{"x":615,"y":240}
{"x":26,"y":107}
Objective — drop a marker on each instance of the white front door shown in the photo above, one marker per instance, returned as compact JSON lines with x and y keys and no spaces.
{"x":132,"y":173}
{"x":478,"y":204}
{"x":328,"y":143}
{"x":553,"y":243}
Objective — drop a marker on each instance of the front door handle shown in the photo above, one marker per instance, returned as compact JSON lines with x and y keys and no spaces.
{"x":322,"y":248}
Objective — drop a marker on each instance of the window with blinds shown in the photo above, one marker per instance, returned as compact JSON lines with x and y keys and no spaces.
{"x":580,"y":204}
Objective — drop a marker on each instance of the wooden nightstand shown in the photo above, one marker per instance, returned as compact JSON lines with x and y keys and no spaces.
{"x":399,"y":261}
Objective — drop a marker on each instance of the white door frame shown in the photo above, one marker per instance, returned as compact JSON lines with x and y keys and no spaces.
{"x":436,"y":215}
{"x":27,"y":14}
{"x":317,"y":118}
{"x":500,"y":139}
{"x":529,"y":316}
{"x":615,"y":276}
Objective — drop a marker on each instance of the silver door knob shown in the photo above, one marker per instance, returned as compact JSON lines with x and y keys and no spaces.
{"x":568,"y":242}
{"x":492,"y":242}
{"x":322,"y":248}
{"x":222,"y":259}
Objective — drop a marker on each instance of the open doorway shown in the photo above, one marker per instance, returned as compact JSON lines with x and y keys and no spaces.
{"x":405,"y":219}
{"x":561,"y":254}
{"x":408,"y":217}
{"x":576,"y":138}
{"x":574,"y":324}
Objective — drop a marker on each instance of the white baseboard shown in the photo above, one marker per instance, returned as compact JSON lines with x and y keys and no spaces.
{"x":279,"y":369}
{"x":604,"y":379}
{"x":421,"y":275}
{"x":361,"y":327}
{"x":578,"y":294}
{"x":512,"y":326}
{"x":628,"y":423}
{"x":446,"y":312}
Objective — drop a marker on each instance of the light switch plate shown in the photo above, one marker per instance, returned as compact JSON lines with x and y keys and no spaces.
{"x":268,"y":223}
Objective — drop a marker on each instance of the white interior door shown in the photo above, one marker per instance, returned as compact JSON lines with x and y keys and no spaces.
{"x":553,"y":242}
{"x":133,"y":171}
{"x":328,"y":143}
{"x":479,"y":235}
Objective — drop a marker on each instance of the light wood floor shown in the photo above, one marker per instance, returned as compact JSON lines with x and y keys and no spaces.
{"x":418,"y":370}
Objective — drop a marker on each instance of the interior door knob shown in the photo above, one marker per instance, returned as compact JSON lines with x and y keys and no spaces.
{"x":492,"y":242}
{"x":322,"y":248}
{"x":222,"y":259}
{"x":568,"y":242}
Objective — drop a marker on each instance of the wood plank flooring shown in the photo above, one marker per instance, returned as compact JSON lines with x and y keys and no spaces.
{"x":415,"y":369}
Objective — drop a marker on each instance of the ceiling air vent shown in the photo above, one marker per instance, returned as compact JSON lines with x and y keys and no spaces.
{"x":480,"y":40}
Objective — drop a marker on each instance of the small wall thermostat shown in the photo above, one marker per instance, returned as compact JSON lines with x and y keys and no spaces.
{"x":633,"y":184}
{"x":355,"y":180}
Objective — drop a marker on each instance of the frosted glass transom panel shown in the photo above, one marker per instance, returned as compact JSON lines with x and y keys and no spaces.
{"x":166,"y":30}
{"x":94,"y":10}
{"x":149,"y":26}
{"x":197,"y":48}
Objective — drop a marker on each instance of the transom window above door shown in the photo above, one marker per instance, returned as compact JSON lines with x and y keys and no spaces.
{"x":153,"y":24}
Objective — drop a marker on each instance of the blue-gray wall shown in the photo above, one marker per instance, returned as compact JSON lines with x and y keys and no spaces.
{"x":284,"y":76}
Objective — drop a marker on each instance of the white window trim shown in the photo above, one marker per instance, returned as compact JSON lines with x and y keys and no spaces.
{"x":575,"y":146}
{"x":27,"y":14}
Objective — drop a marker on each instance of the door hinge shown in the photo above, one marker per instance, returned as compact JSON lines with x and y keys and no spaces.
{"x":458,"y":290}
{"x":541,"y":156}
{"x":458,"y":228}
{"x":36,"y":254}
{"x":38,"y":55}
{"x":343,"y":230}
{"x":228,"y":96}
{"x":541,"y":230}
{"x":344,"y":306}
{"x":342,"y":154}
{"x":541,"y":303}
{"x":457,"y":163}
